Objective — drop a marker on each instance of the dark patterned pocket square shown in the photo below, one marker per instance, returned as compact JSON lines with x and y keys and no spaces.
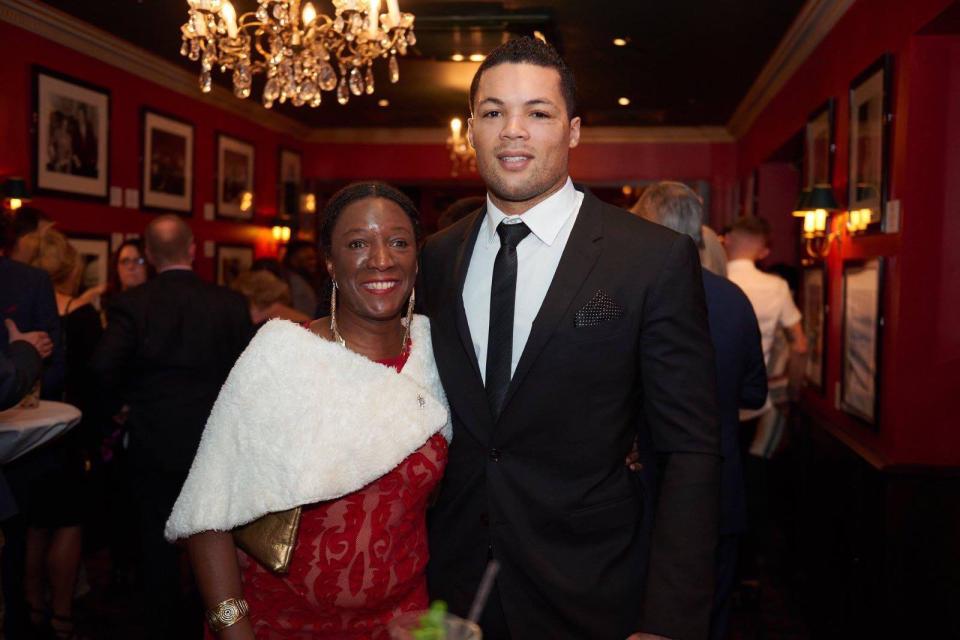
{"x":600,"y":309}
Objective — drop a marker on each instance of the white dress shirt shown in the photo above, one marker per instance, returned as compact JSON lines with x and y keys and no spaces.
{"x":770,"y":297}
{"x":538,"y":255}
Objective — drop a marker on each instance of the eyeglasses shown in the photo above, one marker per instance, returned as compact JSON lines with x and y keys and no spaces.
{"x":129,"y":262}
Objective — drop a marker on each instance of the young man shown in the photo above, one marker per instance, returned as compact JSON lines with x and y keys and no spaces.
{"x":563,"y":329}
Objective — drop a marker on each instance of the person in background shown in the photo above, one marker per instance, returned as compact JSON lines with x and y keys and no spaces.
{"x":741,"y":378}
{"x":713,"y":256}
{"x":747,"y":241}
{"x":26,"y":220}
{"x":302,"y":262}
{"x":166,"y":352}
{"x":130,"y":268}
{"x":458,"y":210}
{"x":27,"y":299}
{"x":268,"y":297}
{"x":21,"y":369}
{"x":56,"y":501}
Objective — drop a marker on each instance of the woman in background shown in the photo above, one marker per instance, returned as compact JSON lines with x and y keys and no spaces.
{"x":268,"y":297}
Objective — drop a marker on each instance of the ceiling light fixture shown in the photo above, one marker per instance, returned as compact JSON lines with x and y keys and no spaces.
{"x":623,"y":102}
{"x":457,"y":57}
{"x":463,"y":157}
{"x":619,"y":42}
{"x":477,"y":57}
{"x":383,"y":102}
{"x":297,"y":49}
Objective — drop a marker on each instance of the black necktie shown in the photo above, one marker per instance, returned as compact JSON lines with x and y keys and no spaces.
{"x":503,"y":294}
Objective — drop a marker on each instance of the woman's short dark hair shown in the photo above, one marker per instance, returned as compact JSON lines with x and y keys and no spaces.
{"x":527,"y":50}
{"x":358,"y":191}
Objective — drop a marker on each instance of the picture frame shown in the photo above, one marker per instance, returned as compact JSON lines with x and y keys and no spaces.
{"x":819,"y":146}
{"x":94,"y":250}
{"x":815,"y":313}
{"x":289,"y":183}
{"x":166,"y":163}
{"x":71,"y":141}
{"x":862,"y":334}
{"x":870,"y":123}
{"x":231,"y":260}
{"x":235,"y":178}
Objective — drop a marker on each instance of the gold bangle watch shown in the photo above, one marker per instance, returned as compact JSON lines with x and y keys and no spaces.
{"x":227,"y":613}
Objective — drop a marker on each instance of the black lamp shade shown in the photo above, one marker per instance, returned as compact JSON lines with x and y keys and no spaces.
{"x":16,"y":188}
{"x":822,"y":198}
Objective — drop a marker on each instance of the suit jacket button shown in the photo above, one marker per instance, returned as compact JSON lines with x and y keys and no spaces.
{"x":495,"y":455}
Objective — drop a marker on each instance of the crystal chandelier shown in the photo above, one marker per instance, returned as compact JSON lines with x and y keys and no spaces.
{"x":463,"y":158}
{"x":300,"y":52}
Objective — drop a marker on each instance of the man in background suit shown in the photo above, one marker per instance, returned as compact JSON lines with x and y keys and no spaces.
{"x":563,"y":329}
{"x":741,"y":378}
{"x":167,"y":350}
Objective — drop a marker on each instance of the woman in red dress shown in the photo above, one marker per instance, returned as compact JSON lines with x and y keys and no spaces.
{"x":347,"y":419}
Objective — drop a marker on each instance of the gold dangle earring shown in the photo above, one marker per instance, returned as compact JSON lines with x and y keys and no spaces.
{"x":333,"y":316}
{"x":410,"y":306}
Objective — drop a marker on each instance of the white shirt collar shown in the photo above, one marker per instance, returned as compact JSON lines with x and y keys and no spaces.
{"x":545,"y":220}
{"x":741,"y":264}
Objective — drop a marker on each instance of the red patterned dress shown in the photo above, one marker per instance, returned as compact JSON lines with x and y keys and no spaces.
{"x":359,"y":560}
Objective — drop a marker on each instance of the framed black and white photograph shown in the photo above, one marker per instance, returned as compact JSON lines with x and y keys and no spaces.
{"x":167,"y":163}
{"x":235,"y":194}
{"x":870,"y":118}
{"x":289,"y":183}
{"x":95,"y":256}
{"x":232,"y":260}
{"x":862,"y":326}
{"x":815,"y":324}
{"x":819,"y":147}
{"x":71,"y":155}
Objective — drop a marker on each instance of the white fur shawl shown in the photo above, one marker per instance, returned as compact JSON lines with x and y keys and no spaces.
{"x":301,"y":419}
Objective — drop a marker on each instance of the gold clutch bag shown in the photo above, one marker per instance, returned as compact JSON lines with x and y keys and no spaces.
{"x":270,"y":539}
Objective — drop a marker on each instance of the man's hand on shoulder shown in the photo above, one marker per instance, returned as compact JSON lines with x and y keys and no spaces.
{"x":37,"y":339}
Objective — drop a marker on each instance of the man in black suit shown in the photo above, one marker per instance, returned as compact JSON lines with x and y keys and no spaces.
{"x":563,"y":329}
{"x":741,"y":378}
{"x":167,"y":349}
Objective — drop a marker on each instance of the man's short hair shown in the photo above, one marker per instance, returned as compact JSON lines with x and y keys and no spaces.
{"x":753,"y":226}
{"x":527,"y":50}
{"x":675,"y":206}
{"x":168,"y":239}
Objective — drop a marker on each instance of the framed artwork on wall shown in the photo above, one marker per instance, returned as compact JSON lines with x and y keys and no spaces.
{"x":289,"y":183}
{"x":819,"y":147}
{"x":814,"y":324}
{"x":71,"y":121}
{"x":862,"y":327}
{"x":232,"y":260}
{"x":95,"y":256}
{"x":166,"y":163}
{"x":235,"y":196}
{"x":870,"y":119}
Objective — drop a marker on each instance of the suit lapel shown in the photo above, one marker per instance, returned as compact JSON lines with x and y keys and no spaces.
{"x":464,"y":253}
{"x":576,"y":263}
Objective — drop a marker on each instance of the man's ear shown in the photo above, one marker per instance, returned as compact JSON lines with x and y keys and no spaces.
{"x":470,"y":132}
{"x":763,"y":253}
{"x":575,"y":132}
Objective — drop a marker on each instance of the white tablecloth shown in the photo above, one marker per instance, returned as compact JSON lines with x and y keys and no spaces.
{"x":24,"y":429}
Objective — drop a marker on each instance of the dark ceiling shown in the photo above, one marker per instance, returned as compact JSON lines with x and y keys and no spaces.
{"x":687,"y":62}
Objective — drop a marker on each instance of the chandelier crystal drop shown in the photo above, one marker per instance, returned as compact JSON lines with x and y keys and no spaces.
{"x":299,"y":51}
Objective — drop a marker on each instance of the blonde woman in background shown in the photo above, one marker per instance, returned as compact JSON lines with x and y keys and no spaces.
{"x":268,"y":297}
{"x":57,"y":499}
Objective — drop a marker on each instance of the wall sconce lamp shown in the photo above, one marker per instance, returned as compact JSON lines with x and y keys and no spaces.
{"x":15,"y":193}
{"x":815,"y":206}
{"x":280,"y":230}
{"x":858,"y":220}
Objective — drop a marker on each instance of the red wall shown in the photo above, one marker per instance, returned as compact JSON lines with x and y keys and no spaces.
{"x":921,"y":349}
{"x":129,"y":93}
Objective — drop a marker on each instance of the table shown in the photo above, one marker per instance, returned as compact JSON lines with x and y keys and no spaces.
{"x":24,"y":429}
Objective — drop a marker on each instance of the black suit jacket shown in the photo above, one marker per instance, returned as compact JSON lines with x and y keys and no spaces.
{"x":26,"y":297}
{"x":545,"y":489}
{"x":167,"y":349}
{"x":741,"y":382}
